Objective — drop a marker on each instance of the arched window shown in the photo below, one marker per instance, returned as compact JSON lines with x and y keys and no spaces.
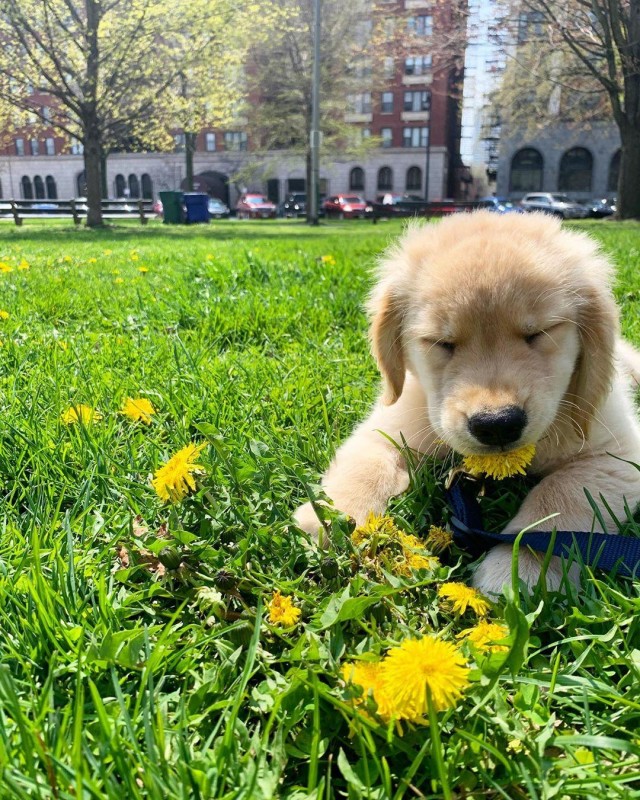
{"x":38,"y":187}
{"x":576,"y":167}
{"x":81,"y":184}
{"x":52,"y":189}
{"x":614,"y":172}
{"x":356,"y":179}
{"x":120,"y":185}
{"x":27,"y":188}
{"x":147,"y":186}
{"x":385,"y":179}
{"x":134,"y":186}
{"x":414,"y":179}
{"x":1,"y":195}
{"x":526,"y":171}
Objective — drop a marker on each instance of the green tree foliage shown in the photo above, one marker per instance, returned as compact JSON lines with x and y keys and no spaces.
{"x":116,"y":70}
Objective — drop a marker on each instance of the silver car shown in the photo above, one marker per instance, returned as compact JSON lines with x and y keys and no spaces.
{"x":559,"y":205}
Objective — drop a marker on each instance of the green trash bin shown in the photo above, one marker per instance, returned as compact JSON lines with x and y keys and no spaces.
{"x":172,"y":207}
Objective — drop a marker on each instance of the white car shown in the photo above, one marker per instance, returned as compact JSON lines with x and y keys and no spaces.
{"x":559,"y":205}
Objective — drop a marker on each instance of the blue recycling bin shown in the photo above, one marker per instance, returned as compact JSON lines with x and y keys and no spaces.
{"x":196,"y":204}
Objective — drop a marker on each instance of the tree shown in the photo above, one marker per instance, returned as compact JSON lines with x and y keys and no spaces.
{"x":109,"y":67}
{"x":585,"y":50}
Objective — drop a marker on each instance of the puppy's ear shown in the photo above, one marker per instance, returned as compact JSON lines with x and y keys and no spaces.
{"x":386,"y":342}
{"x":594,"y":370}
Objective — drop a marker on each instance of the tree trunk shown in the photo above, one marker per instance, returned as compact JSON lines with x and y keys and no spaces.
{"x":628,"y":203}
{"x":189,"y":150}
{"x":93,"y":173}
{"x":103,"y":175}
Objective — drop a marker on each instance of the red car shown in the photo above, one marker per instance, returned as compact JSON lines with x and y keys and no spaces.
{"x":347,"y":206}
{"x":255,"y":206}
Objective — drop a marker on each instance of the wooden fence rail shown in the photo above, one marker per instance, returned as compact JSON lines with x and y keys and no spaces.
{"x":74,"y":209}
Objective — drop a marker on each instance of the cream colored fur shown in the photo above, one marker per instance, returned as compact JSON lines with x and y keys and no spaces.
{"x":479,"y":312}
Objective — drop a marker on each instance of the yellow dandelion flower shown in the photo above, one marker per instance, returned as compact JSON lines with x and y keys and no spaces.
{"x":107,"y":252}
{"x":4,"y":267}
{"x":139,"y":409}
{"x":23,"y":265}
{"x":484,"y":636}
{"x":67,"y":259}
{"x":174,"y":480}
{"x":418,"y":665}
{"x":118,"y":280}
{"x":501,"y":465}
{"x":143,"y":270}
{"x":63,"y":345}
{"x":80,"y":413}
{"x":461,"y":597}
{"x":282,"y":611}
{"x":92,"y":261}
{"x":368,"y":676}
{"x":330,"y":260}
{"x":133,"y":255}
{"x":438,"y":539}
{"x":4,"y":314}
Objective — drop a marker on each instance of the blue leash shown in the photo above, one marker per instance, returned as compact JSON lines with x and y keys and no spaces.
{"x":604,"y":550}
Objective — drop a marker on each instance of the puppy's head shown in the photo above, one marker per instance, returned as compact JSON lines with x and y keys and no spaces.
{"x":507,"y":322}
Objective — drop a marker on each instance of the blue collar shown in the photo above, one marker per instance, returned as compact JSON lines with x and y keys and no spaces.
{"x":603,"y":550}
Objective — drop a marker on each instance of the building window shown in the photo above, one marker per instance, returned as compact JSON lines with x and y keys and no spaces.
{"x":19,"y":147}
{"x":179,"y":141}
{"x":417,"y":101}
{"x":614,"y":172}
{"x":414,"y":179}
{"x":235,"y":140}
{"x":386,"y":134}
{"x":34,"y":144}
{"x":38,"y":187}
{"x":385,"y":179}
{"x":415,"y":137}
{"x":45,"y":113}
{"x":386,"y":103}
{"x":50,"y":146}
{"x":360,"y":103}
{"x":27,"y":188}
{"x":210,"y":142}
{"x":147,"y":186}
{"x":134,"y":186}
{"x":121,"y":185}
{"x":526,"y":171}
{"x":576,"y":169}
{"x":356,"y":179}
{"x":421,"y":25}
{"x":366,"y":133}
{"x":52,"y":189}
{"x":388,"y":68}
{"x":417,"y":65}
{"x":77,"y":149}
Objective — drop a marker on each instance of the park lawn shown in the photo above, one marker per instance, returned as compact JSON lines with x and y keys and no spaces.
{"x":137,"y":659}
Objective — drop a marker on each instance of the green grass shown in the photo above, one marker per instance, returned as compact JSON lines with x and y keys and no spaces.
{"x":119,"y":682}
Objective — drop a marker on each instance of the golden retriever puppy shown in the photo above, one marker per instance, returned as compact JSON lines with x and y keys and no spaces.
{"x":492,"y":332}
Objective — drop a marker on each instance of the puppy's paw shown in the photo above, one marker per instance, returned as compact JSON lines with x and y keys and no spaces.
{"x":495,"y":570}
{"x":307,"y":520}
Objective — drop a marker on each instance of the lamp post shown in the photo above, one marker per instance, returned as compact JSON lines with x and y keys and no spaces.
{"x":314,"y":142}
{"x":426,"y":166}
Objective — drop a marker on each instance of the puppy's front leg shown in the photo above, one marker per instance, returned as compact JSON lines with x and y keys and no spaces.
{"x":368,"y":469}
{"x":562,"y":494}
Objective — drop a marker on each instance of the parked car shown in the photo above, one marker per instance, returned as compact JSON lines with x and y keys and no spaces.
{"x":558,"y":205}
{"x":294,"y":205}
{"x":601,"y":207}
{"x":500,"y":205}
{"x":255,"y":206}
{"x":347,"y":206}
{"x":217,"y":209}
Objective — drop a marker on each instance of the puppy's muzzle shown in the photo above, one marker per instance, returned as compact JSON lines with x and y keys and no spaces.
{"x":498,"y":427}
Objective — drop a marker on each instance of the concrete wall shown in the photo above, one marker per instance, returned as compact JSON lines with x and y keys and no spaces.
{"x":601,"y":139}
{"x":246,"y":170}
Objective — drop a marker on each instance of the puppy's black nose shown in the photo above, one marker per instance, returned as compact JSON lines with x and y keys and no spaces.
{"x":500,"y":427}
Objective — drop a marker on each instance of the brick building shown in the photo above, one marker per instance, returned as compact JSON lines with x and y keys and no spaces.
{"x":413,"y":113}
